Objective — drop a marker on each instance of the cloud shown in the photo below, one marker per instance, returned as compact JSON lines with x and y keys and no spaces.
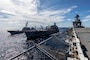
{"x":7,"y":12}
{"x":19,"y":11}
{"x":70,"y":20}
{"x":19,"y":8}
{"x":23,"y":7}
{"x":86,"y":18}
{"x":69,"y":9}
{"x":60,"y":12}
{"x":56,"y":15}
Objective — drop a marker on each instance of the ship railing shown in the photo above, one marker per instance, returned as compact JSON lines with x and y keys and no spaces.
{"x":30,"y":53}
{"x":23,"y":53}
{"x":46,"y":53}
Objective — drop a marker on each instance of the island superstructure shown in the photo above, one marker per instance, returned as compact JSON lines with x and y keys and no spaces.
{"x":77,"y":23}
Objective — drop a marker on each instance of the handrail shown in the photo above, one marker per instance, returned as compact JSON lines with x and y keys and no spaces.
{"x":22,"y":53}
{"x":29,"y":49}
{"x":46,"y":53}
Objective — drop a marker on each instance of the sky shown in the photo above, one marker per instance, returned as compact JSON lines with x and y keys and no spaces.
{"x":15,"y":13}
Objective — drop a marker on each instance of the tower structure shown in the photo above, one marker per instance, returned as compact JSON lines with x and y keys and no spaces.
{"x":77,"y":23}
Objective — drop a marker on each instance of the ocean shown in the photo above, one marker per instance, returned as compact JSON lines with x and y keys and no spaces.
{"x":11,"y":46}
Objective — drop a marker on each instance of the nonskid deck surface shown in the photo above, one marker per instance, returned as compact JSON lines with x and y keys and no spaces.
{"x":84,"y":36}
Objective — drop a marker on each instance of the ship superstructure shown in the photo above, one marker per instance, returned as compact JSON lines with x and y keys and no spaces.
{"x":77,"y":23}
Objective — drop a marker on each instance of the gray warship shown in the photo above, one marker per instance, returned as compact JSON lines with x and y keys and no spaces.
{"x":42,"y":33}
{"x":24,"y":29}
{"x":33,"y":33}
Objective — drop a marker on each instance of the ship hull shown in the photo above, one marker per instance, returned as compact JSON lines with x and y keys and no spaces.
{"x":15,"y":32}
{"x":37,"y":34}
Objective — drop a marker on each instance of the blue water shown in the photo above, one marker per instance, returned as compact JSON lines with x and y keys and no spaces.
{"x":13,"y":45}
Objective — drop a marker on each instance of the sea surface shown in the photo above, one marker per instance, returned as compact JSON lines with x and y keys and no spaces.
{"x":11,"y":46}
